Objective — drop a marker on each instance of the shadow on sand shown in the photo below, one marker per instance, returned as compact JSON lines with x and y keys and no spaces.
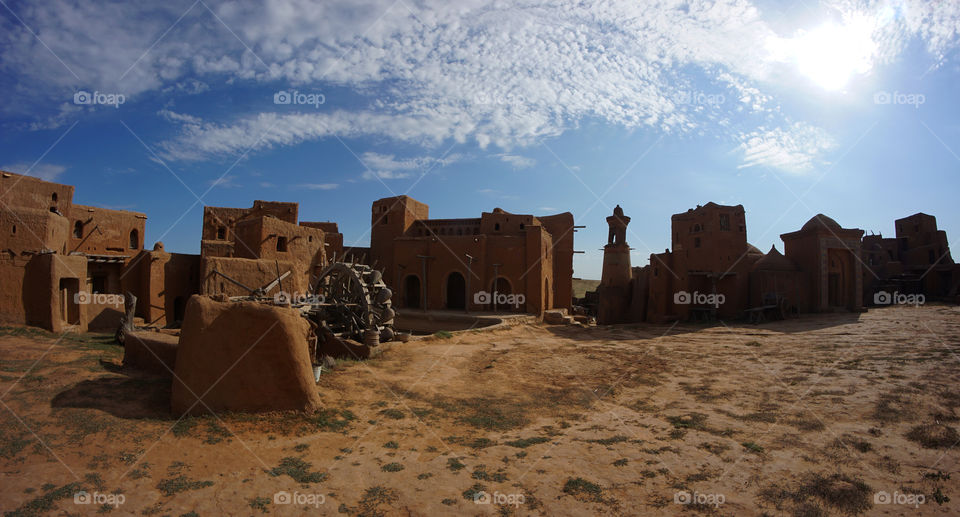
{"x":132,"y":395}
{"x":631,"y":331}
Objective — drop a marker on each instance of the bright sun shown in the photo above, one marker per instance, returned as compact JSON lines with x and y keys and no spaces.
{"x":830,"y":54}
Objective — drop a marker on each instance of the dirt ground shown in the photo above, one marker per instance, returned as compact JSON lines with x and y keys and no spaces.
{"x":822,"y":415}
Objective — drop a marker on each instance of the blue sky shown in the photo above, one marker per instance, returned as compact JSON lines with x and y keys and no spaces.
{"x":791,"y":109}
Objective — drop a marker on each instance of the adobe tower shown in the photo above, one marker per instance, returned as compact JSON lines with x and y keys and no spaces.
{"x":614,"y":286}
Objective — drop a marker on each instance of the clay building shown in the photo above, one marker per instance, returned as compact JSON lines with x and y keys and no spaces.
{"x":916,"y":261}
{"x":54,"y":251}
{"x":66,"y":265}
{"x":829,"y":258}
{"x":251,"y":246}
{"x":55,"y":256}
{"x":713,"y":272}
{"x":448,"y":263}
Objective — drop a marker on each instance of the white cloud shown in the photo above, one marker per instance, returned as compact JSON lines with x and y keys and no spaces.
{"x":44,"y":171}
{"x":517,"y":161}
{"x":318,"y":186}
{"x":387,"y":166}
{"x":181,"y":118}
{"x":190,"y":87}
{"x":795,"y":149}
{"x":224,"y":182}
{"x":502,"y":74}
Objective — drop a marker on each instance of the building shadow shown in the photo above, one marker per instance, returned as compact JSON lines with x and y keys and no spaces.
{"x":633,"y":331}
{"x":131,"y":396}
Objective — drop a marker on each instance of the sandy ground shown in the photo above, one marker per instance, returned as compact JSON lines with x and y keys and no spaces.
{"x":822,"y":415}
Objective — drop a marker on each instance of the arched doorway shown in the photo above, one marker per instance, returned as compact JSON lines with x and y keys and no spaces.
{"x":411,"y":292}
{"x":501,"y":290}
{"x":456,"y":291}
{"x":839,"y":278}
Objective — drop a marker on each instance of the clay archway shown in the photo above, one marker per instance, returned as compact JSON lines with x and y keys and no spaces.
{"x":839,"y":278}
{"x":411,"y":292}
{"x":456,"y":291}
{"x":500,"y":287}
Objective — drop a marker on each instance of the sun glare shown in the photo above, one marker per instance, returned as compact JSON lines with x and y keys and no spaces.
{"x":831,"y":54}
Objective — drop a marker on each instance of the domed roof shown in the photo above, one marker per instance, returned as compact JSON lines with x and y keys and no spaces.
{"x":774,"y":261}
{"x":821,"y":221}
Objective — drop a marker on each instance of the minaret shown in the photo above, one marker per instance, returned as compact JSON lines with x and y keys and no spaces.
{"x":616,"y":254}
{"x":614,"y":289}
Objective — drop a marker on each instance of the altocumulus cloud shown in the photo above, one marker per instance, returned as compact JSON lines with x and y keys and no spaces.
{"x":500,"y":74}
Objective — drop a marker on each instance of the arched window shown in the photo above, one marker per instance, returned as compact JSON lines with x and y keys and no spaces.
{"x":134,"y":239}
{"x":78,"y":229}
{"x":54,"y":197}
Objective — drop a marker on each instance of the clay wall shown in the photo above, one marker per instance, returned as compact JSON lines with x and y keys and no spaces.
{"x":332,"y":238}
{"x":219,"y":224}
{"x":21,"y":191}
{"x":391,"y":218}
{"x":561,"y":229}
{"x":166,"y":282}
{"x":51,"y":282}
{"x":32,"y":230}
{"x":12,"y":271}
{"x":250,"y":272}
{"x":713,"y":237}
{"x":102,"y":231}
